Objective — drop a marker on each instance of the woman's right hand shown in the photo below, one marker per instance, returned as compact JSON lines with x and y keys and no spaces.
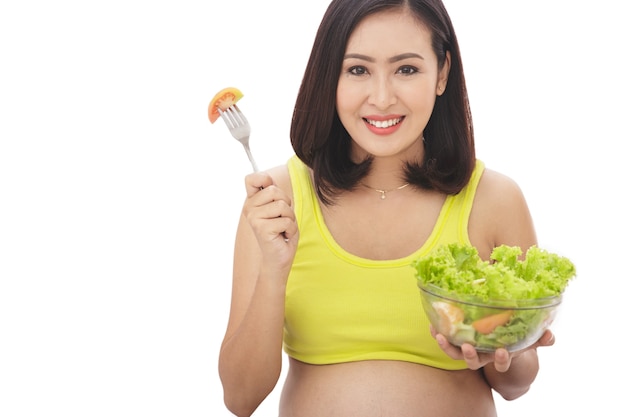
{"x":265,"y":247}
{"x":268,"y":211}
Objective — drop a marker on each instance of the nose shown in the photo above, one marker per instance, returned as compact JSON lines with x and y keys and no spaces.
{"x":382,"y":93}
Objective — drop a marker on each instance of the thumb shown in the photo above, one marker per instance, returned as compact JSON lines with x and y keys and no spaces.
{"x":257,"y":181}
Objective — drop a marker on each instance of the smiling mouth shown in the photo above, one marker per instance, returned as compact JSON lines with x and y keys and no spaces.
{"x":383,"y":124}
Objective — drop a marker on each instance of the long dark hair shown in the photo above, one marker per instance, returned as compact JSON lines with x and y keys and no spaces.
{"x":322,"y":143}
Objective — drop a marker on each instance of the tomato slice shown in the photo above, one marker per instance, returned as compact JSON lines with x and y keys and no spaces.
{"x":223,"y":100}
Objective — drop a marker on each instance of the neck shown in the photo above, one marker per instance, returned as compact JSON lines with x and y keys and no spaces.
{"x":383,"y":191}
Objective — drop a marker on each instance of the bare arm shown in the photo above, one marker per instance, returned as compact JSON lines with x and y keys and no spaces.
{"x":251,"y":353}
{"x":517,"y":372}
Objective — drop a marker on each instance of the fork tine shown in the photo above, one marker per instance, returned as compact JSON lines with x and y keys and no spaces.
{"x":240,"y":114}
{"x":227,"y":119}
{"x":239,"y":128}
{"x":234,"y":116}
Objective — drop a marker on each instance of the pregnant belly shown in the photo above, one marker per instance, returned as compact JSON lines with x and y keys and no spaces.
{"x":383,"y":389}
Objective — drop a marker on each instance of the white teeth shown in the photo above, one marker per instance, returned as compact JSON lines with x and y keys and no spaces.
{"x":384,"y":123}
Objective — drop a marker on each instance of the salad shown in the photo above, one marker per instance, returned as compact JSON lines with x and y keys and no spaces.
{"x":508,"y":302}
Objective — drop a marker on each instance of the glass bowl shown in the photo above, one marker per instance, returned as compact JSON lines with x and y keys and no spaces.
{"x":488,"y":325}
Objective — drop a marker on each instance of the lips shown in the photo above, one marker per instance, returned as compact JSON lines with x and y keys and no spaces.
{"x":383,"y":124}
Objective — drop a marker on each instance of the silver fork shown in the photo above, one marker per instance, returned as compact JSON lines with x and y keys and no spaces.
{"x":239,"y":129}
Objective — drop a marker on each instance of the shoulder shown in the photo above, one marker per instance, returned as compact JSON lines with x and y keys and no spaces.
{"x":280,"y":176}
{"x":497,"y":188}
{"x":500,"y":214}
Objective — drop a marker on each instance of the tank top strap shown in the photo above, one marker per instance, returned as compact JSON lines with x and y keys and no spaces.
{"x":303,"y":192}
{"x":455,"y":229}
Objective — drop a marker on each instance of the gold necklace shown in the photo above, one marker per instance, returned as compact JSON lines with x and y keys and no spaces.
{"x":383,"y":193}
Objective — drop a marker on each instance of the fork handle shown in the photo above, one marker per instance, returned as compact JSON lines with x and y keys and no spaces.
{"x":251,"y":158}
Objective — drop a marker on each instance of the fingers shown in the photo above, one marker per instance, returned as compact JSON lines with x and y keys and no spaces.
{"x":268,"y":209}
{"x":260,"y":187}
{"x":502,"y":360}
{"x":271,"y":208}
{"x":474,"y":359}
{"x":450,"y":350}
{"x":256,"y":182}
{"x":281,"y":216}
{"x":471,"y":357}
{"x":547,"y":339}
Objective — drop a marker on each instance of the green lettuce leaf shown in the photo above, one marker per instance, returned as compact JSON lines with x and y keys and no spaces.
{"x":458,"y":269}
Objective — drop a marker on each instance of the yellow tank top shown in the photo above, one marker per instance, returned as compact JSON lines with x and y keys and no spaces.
{"x":343,"y":308}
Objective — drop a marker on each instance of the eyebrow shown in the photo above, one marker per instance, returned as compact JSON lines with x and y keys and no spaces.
{"x":393,"y":59}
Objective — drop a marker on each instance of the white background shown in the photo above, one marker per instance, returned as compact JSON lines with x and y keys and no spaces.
{"x":119,"y":200}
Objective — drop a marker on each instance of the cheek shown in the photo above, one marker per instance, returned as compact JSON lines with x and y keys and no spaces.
{"x":345,"y":101}
{"x":423,"y":101}
{"x":343,"y":95}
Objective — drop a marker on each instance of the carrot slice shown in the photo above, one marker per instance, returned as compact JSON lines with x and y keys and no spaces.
{"x":488,"y":324}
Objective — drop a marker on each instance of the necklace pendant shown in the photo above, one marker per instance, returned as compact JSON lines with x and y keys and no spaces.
{"x":383,"y":193}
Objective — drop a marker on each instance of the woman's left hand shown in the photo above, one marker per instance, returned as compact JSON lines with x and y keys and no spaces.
{"x":501,"y":358}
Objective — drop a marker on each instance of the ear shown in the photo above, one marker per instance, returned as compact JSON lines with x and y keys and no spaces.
{"x":442,"y":80}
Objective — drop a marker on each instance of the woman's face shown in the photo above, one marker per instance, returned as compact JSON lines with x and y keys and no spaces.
{"x":388,"y":85}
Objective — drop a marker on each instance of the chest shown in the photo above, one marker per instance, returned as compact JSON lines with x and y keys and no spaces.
{"x":383,"y":229}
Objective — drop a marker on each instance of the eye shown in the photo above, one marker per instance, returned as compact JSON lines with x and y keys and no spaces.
{"x":357,"y":70}
{"x":407,"y":70}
